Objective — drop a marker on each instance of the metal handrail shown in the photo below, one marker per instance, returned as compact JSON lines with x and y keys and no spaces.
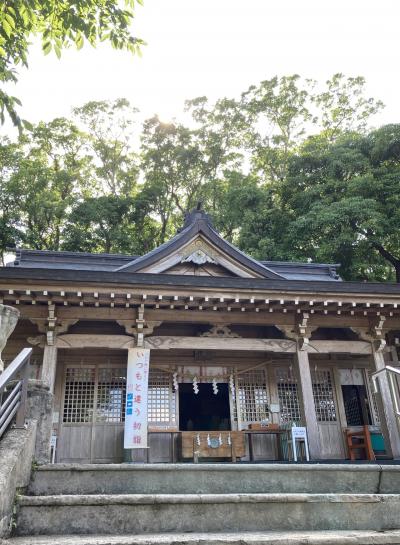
{"x":394,"y":370}
{"x":392,"y":373}
{"x":14,"y":404}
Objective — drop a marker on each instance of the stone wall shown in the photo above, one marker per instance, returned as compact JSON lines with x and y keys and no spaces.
{"x":17,"y":448}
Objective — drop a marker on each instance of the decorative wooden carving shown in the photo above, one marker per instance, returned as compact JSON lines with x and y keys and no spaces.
{"x":198,"y":257}
{"x":39,"y":340}
{"x":220,"y":343}
{"x":198,"y":252}
{"x":375,"y":334}
{"x":139,"y":328}
{"x":51,"y":326}
{"x":220,"y":331}
{"x":261,"y":345}
{"x":300,"y":332}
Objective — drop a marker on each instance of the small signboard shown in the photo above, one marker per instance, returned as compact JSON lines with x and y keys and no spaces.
{"x":137,"y":380}
{"x":299,"y":432}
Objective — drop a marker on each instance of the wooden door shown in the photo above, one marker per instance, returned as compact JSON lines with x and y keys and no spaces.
{"x":253,"y":401}
{"x":326,"y":408}
{"x":92,"y":415}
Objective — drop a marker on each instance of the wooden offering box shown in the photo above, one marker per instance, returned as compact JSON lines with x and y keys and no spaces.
{"x":213,"y":444}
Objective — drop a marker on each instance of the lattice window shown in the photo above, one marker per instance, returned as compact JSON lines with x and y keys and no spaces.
{"x":253,"y":396}
{"x":324,"y":397}
{"x":79,"y":394}
{"x":111,"y":393}
{"x":353,"y":412}
{"x":288,"y":394}
{"x":161,"y":404}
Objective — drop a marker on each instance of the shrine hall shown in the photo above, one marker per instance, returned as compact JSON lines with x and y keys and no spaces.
{"x":196,"y":351}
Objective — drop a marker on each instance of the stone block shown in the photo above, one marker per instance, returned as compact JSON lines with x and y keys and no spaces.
{"x":17,"y":449}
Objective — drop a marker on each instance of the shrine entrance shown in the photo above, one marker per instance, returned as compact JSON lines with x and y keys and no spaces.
{"x":204,"y":411}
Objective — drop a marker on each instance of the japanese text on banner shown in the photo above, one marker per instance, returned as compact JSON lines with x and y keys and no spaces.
{"x":137,"y":380}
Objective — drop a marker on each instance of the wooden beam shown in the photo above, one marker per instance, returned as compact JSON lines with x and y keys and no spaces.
{"x":264,"y":345}
{"x":76,"y":340}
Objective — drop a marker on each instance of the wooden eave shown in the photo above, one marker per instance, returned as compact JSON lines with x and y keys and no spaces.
{"x":174,"y":294}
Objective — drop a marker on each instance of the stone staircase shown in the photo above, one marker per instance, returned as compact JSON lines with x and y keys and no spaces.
{"x":151,"y":504}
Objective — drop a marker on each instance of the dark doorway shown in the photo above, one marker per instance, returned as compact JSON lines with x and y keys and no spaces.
{"x":204,"y":411}
{"x":356,"y":405}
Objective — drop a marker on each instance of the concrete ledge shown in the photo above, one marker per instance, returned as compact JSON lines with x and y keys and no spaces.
{"x":220,"y":467}
{"x":214,"y":478}
{"x":16,"y":452}
{"x":141,"y":513}
{"x":243,"y":538}
{"x":174,"y":499}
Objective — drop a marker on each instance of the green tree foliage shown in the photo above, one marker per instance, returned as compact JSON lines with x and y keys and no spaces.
{"x":109,"y":129}
{"x":180,"y":167}
{"x":289,"y":171}
{"x":59,"y":24}
{"x":111,"y":224}
{"x":346,"y":204}
{"x":10,"y":158}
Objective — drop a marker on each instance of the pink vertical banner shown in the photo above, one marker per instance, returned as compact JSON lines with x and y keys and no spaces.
{"x":137,"y":380}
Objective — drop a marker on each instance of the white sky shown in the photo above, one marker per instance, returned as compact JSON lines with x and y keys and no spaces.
{"x":220,"y":47}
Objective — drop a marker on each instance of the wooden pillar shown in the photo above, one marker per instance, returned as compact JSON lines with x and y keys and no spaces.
{"x":307,"y":398}
{"x":49,"y":366}
{"x":390,"y":427}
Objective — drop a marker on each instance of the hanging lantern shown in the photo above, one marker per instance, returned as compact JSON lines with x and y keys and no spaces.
{"x":215,"y":386}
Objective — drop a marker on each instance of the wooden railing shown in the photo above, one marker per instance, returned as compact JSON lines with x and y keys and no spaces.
{"x":13,"y":396}
{"x":393,"y":376}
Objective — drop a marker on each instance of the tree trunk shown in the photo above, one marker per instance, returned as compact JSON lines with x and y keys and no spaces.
{"x":393,"y":260}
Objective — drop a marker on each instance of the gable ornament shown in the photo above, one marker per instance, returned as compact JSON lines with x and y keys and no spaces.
{"x":198,"y":257}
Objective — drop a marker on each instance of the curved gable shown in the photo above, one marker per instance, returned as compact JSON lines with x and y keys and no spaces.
{"x":199,"y":244}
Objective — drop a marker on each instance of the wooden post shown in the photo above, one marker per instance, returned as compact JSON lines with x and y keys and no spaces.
{"x":307,"y":397}
{"x":390,"y":428}
{"x":49,"y":366}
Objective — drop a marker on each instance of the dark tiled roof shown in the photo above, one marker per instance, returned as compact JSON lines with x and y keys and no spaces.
{"x":197,"y":222}
{"x":304,"y":271}
{"x":32,"y":275}
{"x":80,"y":261}
{"x":70,"y":260}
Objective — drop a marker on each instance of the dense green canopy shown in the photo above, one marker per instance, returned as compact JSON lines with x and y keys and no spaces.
{"x":288,"y":172}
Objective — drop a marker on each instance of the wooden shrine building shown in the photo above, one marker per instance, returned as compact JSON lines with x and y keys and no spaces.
{"x":234,"y":344}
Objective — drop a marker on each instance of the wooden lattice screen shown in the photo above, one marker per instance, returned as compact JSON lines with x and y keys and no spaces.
{"x":288,"y":394}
